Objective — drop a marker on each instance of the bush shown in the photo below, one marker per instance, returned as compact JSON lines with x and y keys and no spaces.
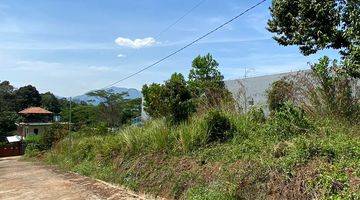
{"x":52,"y":135}
{"x":98,"y":129}
{"x":219,"y":127}
{"x":289,"y":121}
{"x":32,"y":150}
{"x":32,"y":139}
{"x":280,"y":92}
{"x":257,"y":114}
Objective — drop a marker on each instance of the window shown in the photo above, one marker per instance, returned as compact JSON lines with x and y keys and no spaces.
{"x":36,"y":131}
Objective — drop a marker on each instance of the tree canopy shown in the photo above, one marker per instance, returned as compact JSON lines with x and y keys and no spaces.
{"x":7,"y":122}
{"x":7,"y":95}
{"x":50,"y":102}
{"x":205,"y":74}
{"x":114,"y":109}
{"x":27,"y":96}
{"x":316,"y":25}
{"x":179,"y":98}
{"x":154,"y":100}
{"x":172,"y":99}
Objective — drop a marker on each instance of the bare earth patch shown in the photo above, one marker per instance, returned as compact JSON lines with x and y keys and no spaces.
{"x":25,"y":180}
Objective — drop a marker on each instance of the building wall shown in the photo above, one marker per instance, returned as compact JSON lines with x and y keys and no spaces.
{"x":250,"y":92}
{"x":26,"y":130}
{"x":40,"y":129}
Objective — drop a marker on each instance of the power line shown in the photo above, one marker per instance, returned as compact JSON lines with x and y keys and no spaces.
{"x":188,"y":45}
{"x":182,"y":17}
{"x":175,"y":22}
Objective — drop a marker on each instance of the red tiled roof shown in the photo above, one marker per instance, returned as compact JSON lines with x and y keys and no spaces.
{"x":35,"y":110}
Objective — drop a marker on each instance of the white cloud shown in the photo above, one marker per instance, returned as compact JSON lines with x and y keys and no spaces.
{"x":121,"y":56}
{"x":137,"y":43}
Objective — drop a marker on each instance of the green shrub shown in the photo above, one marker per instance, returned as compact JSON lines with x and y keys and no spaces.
{"x":256,"y":114}
{"x":32,"y":150}
{"x":280,"y":92}
{"x":2,"y":144}
{"x":52,"y":135}
{"x":32,"y":139}
{"x":98,"y":129}
{"x":289,"y":121}
{"x":219,"y":127}
{"x":204,"y":193}
{"x":33,"y":145}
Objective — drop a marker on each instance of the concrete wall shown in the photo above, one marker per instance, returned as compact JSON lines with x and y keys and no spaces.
{"x":26,"y":130}
{"x":250,"y":92}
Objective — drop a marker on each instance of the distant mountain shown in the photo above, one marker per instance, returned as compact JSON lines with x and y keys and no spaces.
{"x":132,"y":94}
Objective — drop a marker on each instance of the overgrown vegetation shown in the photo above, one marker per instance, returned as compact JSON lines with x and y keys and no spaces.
{"x":224,"y":154}
{"x":177,"y":98}
{"x":307,"y":148}
{"x":259,"y":160}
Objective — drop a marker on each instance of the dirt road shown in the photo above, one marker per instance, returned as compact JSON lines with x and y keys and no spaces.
{"x":26,"y":180}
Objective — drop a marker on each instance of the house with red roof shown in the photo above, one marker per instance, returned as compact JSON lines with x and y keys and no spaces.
{"x":35,"y":121}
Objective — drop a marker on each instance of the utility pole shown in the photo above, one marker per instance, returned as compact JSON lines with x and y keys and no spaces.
{"x":247,"y":70}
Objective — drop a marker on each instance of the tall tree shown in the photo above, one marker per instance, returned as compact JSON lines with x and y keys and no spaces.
{"x":27,"y":96}
{"x":50,"y":102}
{"x":82,"y":115}
{"x":7,"y":122}
{"x":155,"y":100}
{"x":172,"y":99}
{"x":318,"y":24}
{"x":6,"y":96}
{"x":207,"y":83}
{"x":112,"y":106}
{"x":179,"y":98}
{"x":205,"y":74}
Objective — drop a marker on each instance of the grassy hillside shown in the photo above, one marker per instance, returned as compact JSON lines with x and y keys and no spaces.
{"x":286,"y":156}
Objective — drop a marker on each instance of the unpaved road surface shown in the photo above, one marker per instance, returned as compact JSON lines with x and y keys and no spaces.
{"x":20,"y":180}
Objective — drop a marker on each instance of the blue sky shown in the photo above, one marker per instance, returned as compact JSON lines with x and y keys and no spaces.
{"x":69,"y":47}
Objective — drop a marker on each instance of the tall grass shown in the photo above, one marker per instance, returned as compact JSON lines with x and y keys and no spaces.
{"x":179,"y":162}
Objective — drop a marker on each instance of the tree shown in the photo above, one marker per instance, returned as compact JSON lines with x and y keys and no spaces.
{"x":7,"y":96}
{"x":172,"y":99}
{"x":205,"y":74}
{"x":280,"y":92}
{"x":50,"y":102}
{"x":7,"y":122}
{"x":82,"y":115}
{"x":155,"y":100}
{"x":112,"y":107}
{"x":206,"y":82}
{"x":333,"y":94}
{"x":132,"y":109}
{"x":27,"y":96}
{"x":316,"y":25}
{"x":179,"y":98}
